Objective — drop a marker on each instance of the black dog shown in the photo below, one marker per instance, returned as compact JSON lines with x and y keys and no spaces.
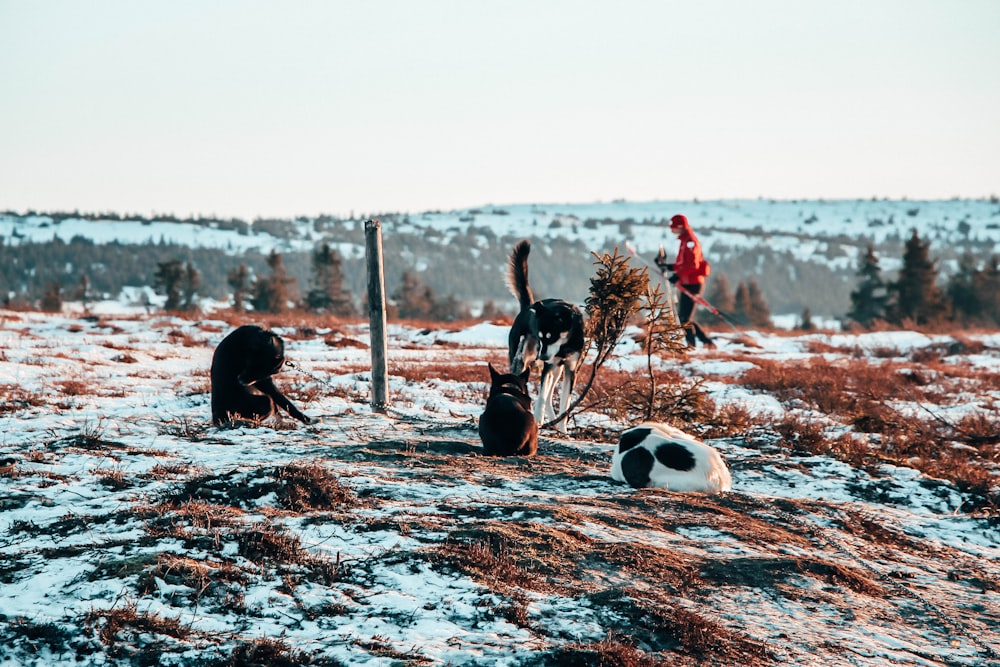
{"x":549,"y":331}
{"x":507,"y":427}
{"x":242,"y":367}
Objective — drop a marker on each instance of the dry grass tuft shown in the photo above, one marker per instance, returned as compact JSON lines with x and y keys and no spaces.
{"x":612,"y":651}
{"x":117,"y":620}
{"x":311,"y":487}
{"x":267,"y":544}
{"x":14,"y":397}
{"x":270,"y":652}
{"x":203,"y":577}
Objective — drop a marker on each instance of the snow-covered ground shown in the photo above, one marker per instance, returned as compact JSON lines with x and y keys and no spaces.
{"x":119,"y":501}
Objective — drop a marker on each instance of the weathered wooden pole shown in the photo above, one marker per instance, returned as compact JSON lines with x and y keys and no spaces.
{"x":376,"y":316}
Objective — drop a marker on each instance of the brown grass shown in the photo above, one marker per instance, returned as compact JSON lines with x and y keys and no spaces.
{"x":270,"y":652}
{"x":310,"y":487}
{"x":14,"y":397}
{"x":201,"y":576}
{"x":117,"y":620}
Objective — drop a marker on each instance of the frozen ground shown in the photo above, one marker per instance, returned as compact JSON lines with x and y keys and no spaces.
{"x":133,"y":532}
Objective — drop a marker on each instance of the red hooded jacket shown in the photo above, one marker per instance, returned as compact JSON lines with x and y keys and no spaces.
{"x":690,"y":267}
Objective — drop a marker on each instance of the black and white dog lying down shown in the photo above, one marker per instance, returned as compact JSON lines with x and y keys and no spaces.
{"x":242,"y":367}
{"x":549,"y":332}
{"x":507,"y":427}
{"x":663,"y":456}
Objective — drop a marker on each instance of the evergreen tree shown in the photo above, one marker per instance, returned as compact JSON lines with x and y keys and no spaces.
{"x":450,"y":309}
{"x":167,"y":280}
{"x":915,"y":295}
{"x":805,"y":322}
{"x":491,"y":311}
{"x":192,"y":281}
{"x":868,"y":301}
{"x":239,"y":282}
{"x":272,"y":294}
{"x":82,"y":292}
{"x":329,"y":294}
{"x":741,"y":302}
{"x":750,"y":306}
{"x":414,"y":299}
{"x":758,"y":312}
{"x":975,"y":293}
{"x":986,"y":283}
{"x":52,"y":298}
{"x":962,"y":294}
{"x":721,"y":296}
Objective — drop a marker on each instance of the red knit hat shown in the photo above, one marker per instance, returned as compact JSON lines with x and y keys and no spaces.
{"x":678,"y":221}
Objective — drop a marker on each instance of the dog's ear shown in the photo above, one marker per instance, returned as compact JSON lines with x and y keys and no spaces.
{"x":525,"y":375}
{"x":493,"y":372}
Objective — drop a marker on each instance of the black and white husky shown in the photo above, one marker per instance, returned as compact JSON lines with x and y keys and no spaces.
{"x":547,"y":332}
{"x":662,"y":456}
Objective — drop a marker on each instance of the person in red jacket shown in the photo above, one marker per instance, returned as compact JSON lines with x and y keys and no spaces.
{"x":690,"y":270}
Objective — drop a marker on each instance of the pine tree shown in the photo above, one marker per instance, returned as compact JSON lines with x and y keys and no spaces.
{"x":82,"y":292}
{"x":192,"y":281}
{"x":962,"y":294}
{"x":414,"y":299}
{"x":975,"y":292}
{"x":52,"y":298}
{"x":986,"y":283}
{"x":868,"y":301}
{"x":915,"y":295}
{"x":491,"y":311}
{"x":329,"y":294}
{"x":721,"y":296}
{"x":239,"y":282}
{"x":450,"y":309}
{"x":741,"y":302}
{"x":805,"y":322}
{"x":758,"y":312}
{"x":168,"y":278}
{"x":272,"y":294}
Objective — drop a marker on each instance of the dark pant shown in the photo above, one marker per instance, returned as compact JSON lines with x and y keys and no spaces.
{"x":685,"y":309}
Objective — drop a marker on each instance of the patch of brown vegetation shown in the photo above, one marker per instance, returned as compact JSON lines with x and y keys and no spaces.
{"x":770,"y":572}
{"x":268,"y":544}
{"x":117,"y":620}
{"x":273,"y":653}
{"x":201,"y":576}
{"x":14,"y":397}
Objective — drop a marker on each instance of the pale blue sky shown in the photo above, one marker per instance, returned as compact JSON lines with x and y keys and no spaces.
{"x":284,"y":108}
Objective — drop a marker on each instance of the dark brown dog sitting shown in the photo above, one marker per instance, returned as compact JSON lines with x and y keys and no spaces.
{"x":242,"y":367}
{"x":507,"y":427}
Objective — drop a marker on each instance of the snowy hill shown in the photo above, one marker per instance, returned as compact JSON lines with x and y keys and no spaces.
{"x":803,"y":253}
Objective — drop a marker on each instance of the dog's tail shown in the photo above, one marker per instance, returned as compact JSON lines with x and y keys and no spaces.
{"x":517,"y":274}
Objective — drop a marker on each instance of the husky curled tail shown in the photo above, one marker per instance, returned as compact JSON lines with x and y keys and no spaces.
{"x":517,"y":274}
{"x":549,"y":332}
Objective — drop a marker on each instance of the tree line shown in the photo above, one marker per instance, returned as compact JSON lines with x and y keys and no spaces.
{"x":970,"y":297}
{"x":470,"y":264}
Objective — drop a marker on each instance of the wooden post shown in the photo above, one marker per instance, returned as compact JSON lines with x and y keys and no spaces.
{"x":376,"y":316}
